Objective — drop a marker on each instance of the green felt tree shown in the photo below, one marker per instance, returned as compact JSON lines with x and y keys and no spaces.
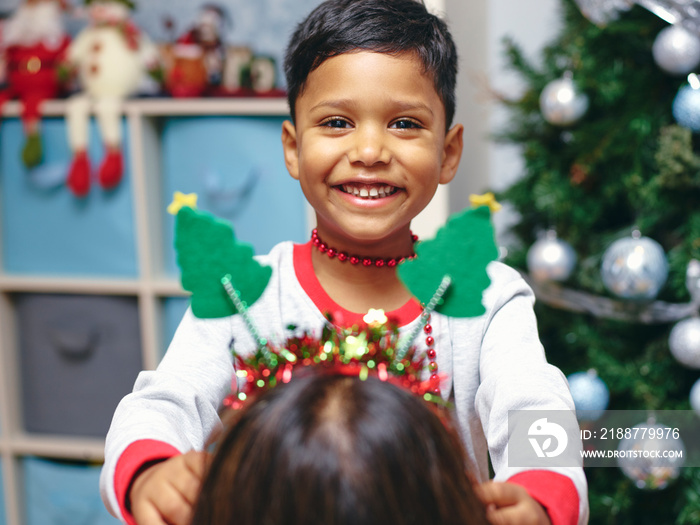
{"x":461,"y":249}
{"x":207,"y":251}
{"x":625,"y":163}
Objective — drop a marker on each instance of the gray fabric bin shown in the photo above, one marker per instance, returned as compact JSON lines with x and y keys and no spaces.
{"x":79,"y":355}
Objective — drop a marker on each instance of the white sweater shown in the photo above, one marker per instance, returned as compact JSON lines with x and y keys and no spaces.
{"x":492,"y":363}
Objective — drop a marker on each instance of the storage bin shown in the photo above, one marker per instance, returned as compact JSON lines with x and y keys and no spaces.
{"x":47,"y":230}
{"x":63,"y":493}
{"x":236,"y":167}
{"x":173,"y":309}
{"x":79,"y":355}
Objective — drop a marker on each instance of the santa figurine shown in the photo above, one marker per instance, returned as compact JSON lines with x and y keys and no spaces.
{"x":34,"y":44}
{"x":206,"y":34}
{"x":111,"y":56}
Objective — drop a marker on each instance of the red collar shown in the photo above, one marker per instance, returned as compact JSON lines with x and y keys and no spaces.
{"x":304,"y":270}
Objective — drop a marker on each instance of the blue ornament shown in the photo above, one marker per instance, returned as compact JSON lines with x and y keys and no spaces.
{"x":591,"y":395}
{"x":686,"y":106}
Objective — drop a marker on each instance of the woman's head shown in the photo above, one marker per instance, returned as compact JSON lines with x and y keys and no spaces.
{"x":335,"y":450}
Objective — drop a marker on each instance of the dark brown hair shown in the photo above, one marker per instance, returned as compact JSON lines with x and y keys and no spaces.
{"x":336,"y":450}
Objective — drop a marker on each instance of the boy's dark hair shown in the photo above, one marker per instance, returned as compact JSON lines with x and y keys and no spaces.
{"x":336,"y":450}
{"x":384,"y":26}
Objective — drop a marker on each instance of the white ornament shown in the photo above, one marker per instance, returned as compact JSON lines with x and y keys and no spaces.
{"x":686,"y":105}
{"x":590,"y":394}
{"x":561,"y":102}
{"x":695,"y":397}
{"x":550,"y":258}
{"x":634,"y":267}
{"x":684,"y":342}
{"x":676,"y":50}
{"x":692,"y":280}
{"x":651,"y":455}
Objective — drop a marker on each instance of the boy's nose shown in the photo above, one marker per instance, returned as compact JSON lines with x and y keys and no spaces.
{"x":369,"y":147}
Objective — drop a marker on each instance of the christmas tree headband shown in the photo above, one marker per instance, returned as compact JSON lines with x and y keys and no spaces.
{"x":448,"y":275}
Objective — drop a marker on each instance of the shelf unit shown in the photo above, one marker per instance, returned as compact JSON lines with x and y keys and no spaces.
{"x":151,"y":285}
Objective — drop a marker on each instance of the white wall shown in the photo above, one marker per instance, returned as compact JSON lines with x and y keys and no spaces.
{"x":479,"y":27}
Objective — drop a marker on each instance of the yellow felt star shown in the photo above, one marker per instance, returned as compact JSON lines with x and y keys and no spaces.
{"x":355,"y":346}
{"x":487,"y":199}
{"x":181,"y":200}
{"x":374,"y":316}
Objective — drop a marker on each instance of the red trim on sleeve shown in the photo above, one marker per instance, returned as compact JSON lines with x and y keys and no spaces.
{"x":304,"y":270}
{"x":132,"y":459}
{"x":554,"y":491}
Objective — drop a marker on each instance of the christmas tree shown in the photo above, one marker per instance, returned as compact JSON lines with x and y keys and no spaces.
{"x":607,"y":126}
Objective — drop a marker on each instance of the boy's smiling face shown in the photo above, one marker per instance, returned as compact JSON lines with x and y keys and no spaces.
{"x":369,"y":146}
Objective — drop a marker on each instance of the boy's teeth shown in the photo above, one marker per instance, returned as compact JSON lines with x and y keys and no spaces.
{"x":368,"y":192}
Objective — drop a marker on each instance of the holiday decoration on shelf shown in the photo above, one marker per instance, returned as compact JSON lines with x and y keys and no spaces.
{"x":676,"y":50}
{"x":634,"y":267}
{"x":550,"y":258}
{"x":195,"y":62}
{"x":686,"y":105}
{"x":561,"y":102}
{"x":590,"y":393}
{"x":225,"y":279}
{"x":652,"y":455}
{"x":684,"y":342}
{"x":34,"y":44}
{"x":111,"y":56}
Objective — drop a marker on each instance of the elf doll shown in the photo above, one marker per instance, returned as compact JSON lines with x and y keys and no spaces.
{"x":110,"y":56}
{"x":34,"y":44}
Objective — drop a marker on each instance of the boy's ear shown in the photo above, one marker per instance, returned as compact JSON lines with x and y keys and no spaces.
{"x":289,"y":145}
{"x":452,"y":153}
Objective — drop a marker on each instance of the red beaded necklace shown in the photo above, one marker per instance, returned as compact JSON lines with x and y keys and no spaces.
{"x":378,"y":262}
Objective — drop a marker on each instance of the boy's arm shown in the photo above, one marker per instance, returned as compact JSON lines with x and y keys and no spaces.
{"x":171,"y":410}
{"x":516,"y":376}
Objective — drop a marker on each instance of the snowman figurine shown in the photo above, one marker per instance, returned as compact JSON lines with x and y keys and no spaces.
{"x":111,"y":56}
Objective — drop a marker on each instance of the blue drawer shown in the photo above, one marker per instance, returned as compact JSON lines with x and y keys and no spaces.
{"x":61,"y":493}
{"x":173,"y":309}
{"x":236,"y":166}
{"x":50,"y":231}
{"x":79,"y":355}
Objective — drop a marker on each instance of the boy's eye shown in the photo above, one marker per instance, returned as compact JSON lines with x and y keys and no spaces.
{"x":335,"y":122}
{"x":405,"y":124}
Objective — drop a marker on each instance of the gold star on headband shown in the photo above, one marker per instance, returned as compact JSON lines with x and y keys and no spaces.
{"x":487,"y":199}
{"x":374,"y":316}
{"x":181,"y":200}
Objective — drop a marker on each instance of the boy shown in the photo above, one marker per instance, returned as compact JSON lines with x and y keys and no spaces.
{"x":371,"y":91}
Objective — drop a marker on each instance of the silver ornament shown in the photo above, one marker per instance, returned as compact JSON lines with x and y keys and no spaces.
{"x":651,"y":456}
{"x":561,"y":102}
{"x":686,"y":105}
{"x":684,"y":12}
{"x":634,"y":267}
{"x":590,"y":394}
{"x":676,"y":50}
{"x":695,"y":397}
{"x":692,"y":280}
{"x":550,"y":258}
{"x":684,"y":342}
{"x":600,"y":12}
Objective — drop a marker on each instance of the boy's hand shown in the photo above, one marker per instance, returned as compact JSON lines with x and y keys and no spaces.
{"x":165,"y":493}
{"x":510,"y":504}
